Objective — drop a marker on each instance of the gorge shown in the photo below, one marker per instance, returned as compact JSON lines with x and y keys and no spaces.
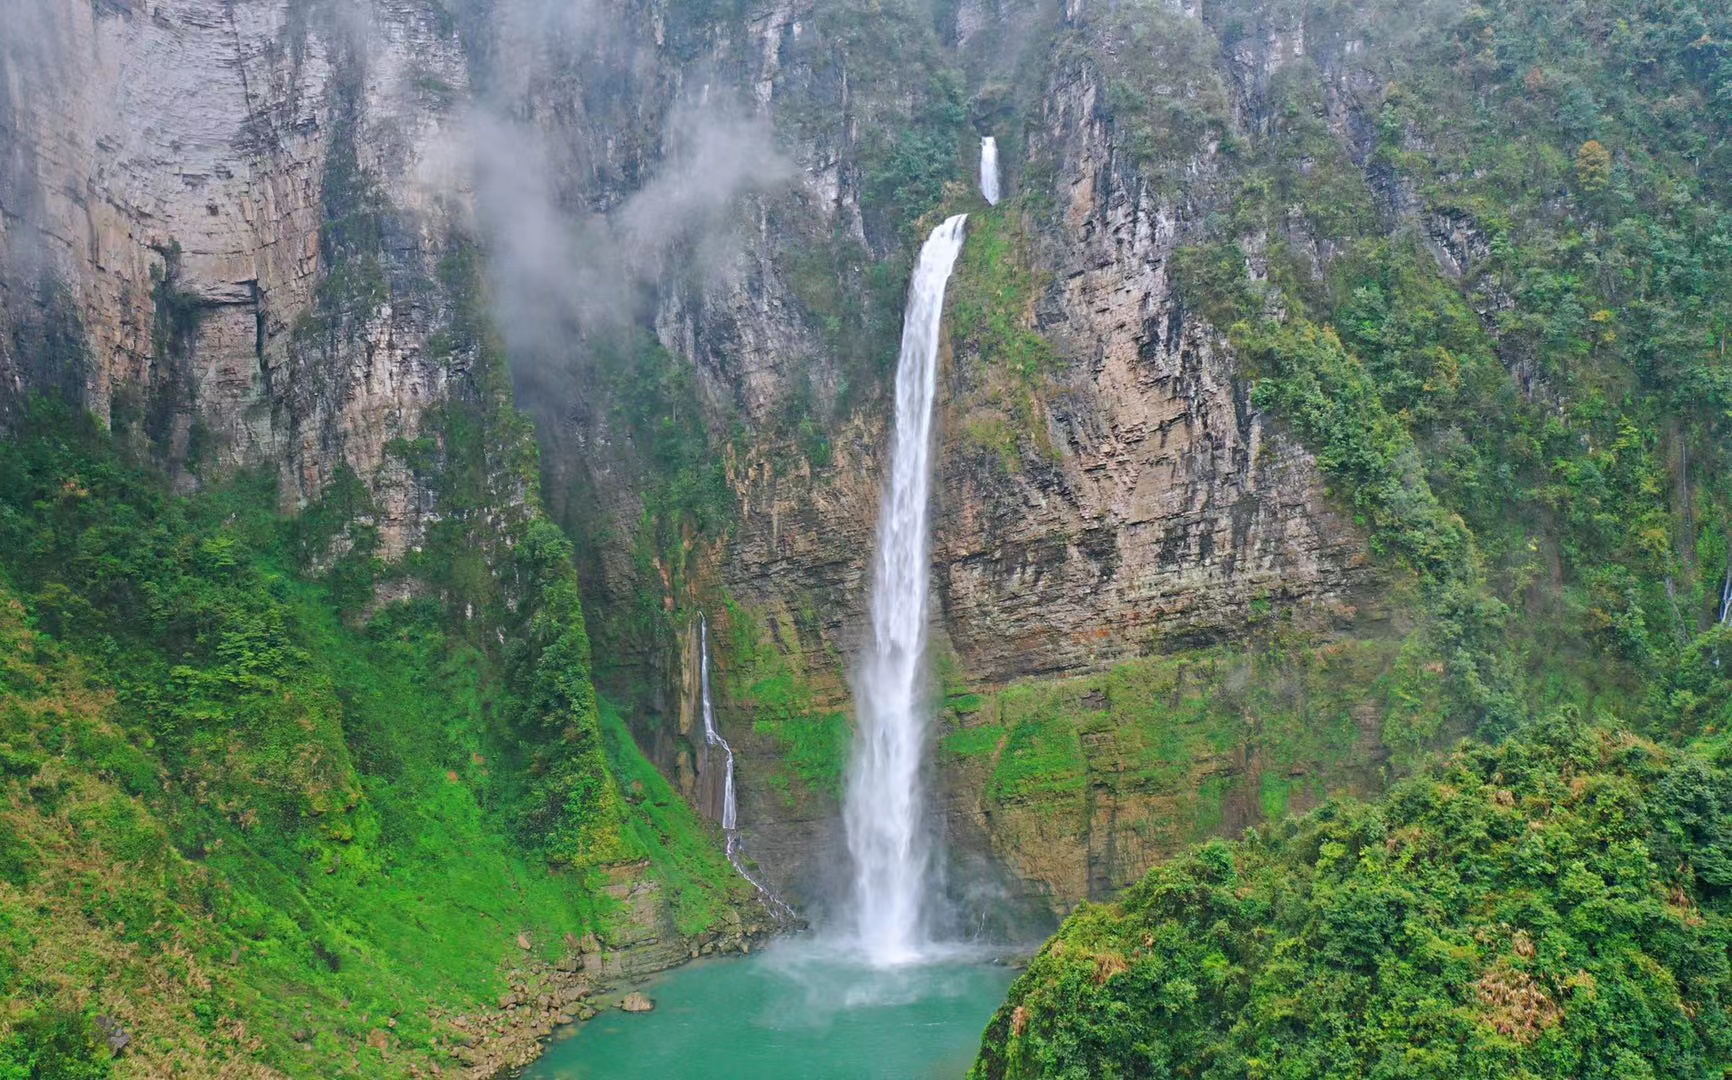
{"x":785,"y":505}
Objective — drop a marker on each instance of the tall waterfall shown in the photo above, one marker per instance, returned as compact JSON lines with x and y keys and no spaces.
{"x":884,"y":809}
{"x":989,"y":169}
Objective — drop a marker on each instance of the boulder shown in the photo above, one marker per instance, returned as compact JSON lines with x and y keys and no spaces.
{"x":635,"y":1002}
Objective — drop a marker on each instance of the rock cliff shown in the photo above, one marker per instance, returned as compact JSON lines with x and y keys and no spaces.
{"x":186,"y":185}
{"x":1125,"y":501}
{"x":236,"y":226}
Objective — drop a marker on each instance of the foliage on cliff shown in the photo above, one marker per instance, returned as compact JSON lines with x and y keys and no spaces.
{"x":1558,"y":905}
{"x":254,"y":824}
{"x":1475,"y":257}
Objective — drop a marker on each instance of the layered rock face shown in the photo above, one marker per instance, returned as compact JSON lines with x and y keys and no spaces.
{"x":239,"y":212}
{"x":1146,"y":509}
{"x":1167,"y":503}
{"x":175,"y":175}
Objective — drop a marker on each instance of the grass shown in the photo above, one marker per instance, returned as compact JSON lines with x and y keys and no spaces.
{"x":992,"y":294}
{"x":767,"y":685}
{"x":684,"y":852}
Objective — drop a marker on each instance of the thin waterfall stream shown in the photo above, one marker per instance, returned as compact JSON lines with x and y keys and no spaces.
{"x":712,"y":737}
{"x":730,"y":805}
{"x":884,"y":810}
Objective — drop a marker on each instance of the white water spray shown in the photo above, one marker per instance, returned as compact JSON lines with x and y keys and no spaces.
{"x":884,"y":811}
{"x":989,"y":169}
{"x":714,"y":739}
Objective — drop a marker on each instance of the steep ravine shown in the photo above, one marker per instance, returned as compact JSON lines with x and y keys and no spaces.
{"x":1123,"y":503}
{"x":1299,"y":411}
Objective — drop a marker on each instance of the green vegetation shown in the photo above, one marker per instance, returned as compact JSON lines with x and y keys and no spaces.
{"x":1182,"y":745}
{"x":990,"y":313}
{"x":1518,"y":389}
{"x":1164,"y":91}
{"x":855,"y":303}
{"x":763,"y":683}
{"x":991,"y":298}
{"x":1554,"y":906}
{"x":696,"y":880}
{"x":250,"y":827}
{"x":911,"y":112}
{"x":1476,"y":263}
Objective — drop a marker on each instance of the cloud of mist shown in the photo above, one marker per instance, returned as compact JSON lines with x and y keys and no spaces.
{"x":575,"y":252}
{"x":562,"y":273}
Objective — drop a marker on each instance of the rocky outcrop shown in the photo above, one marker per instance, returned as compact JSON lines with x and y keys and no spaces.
{"x":177,"y":180}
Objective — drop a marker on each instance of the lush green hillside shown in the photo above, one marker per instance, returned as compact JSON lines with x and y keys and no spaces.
{"x":1558,"y":905}
{"x":258,"y":823}
{"x":1478,"y":263}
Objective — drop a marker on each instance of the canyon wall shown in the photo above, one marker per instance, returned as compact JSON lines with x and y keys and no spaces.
{"x":229,"y":230}
{"x":223,"y":225}
{"x":1126,"y":504}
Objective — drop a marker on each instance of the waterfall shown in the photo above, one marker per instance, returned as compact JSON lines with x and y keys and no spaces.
{"x":989,"y":169}
{"x":884,"y":811}
{"x":730,"y":811}
{"x":712,"y":737}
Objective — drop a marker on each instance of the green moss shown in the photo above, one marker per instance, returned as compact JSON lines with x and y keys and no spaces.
{"x":1201,"y":741}
{"x":1042,"y":756}
{"x":764,"y":683}
{"x":974,"y":741}
{"x":964,"y":704}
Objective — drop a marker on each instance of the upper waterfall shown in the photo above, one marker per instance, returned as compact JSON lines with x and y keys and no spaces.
{"x":884,"y":811}
{"x":989,"y":169}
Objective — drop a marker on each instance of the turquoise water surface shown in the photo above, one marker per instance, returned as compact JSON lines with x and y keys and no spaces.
{"x":796,"y":1010}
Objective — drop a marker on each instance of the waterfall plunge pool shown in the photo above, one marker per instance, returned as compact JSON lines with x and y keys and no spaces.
{"x":796,"y":1010}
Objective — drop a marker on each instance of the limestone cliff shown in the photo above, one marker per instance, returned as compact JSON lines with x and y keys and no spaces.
{"x":231,"y":235}
{"x":231,"y":217}
{"x":1126,"y":501}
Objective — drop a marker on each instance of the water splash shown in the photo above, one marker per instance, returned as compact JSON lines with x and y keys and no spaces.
{"x":884,"y":811}
{"x":989,"y":169}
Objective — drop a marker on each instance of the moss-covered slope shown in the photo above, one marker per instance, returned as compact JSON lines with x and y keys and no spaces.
{"x":263,"y":824}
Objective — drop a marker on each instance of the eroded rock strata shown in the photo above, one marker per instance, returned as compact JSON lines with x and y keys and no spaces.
{"x":249,"y":214}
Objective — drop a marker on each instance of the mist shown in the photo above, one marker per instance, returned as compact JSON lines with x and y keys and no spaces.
{"x":574,"y":255}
